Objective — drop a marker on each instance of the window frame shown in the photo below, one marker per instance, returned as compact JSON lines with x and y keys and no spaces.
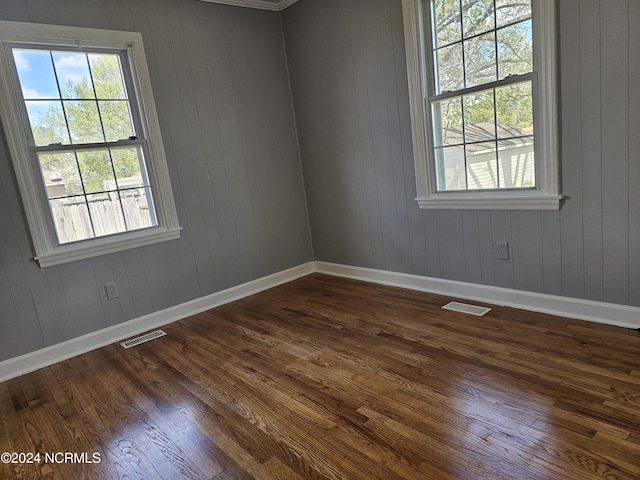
{"x":546,"y":194}
{"x":48,"y":251}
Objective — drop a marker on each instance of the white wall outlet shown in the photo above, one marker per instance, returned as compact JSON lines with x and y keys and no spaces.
{"x":112,"y":290}
{"x":503,"y":250}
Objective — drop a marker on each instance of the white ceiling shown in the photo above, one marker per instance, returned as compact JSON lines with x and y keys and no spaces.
{"x":275,"y":5}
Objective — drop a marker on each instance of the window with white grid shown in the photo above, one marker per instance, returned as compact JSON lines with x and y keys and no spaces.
{"x":482,"y":85}
{"x":85,"y":141}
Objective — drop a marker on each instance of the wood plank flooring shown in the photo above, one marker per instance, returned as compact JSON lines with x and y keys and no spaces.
{"x":332,"y":378}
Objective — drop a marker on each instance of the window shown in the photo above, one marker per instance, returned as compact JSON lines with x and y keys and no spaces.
{"x":483,"y":103}
{"x":85,"y":142}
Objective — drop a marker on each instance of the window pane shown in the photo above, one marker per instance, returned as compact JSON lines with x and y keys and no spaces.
{"x":106,"y":213}
{"x":479,"y":117}
{"x":86,"y":199}
{"x":508,"y":11}
{"x":128,"y":164}
{"x":84,"y":121}
{"x":107,"y":77}
{"x":514,"y":110}
{"x":116,"y":119}
{"x":450,"y":171}
{"x":516,"y":163}
{"x":71,"y":219}
{"x":35,"y":72}
{"x":447,"y":122}
{"x":477,"y":17}
{"x":73,"y":75}
{"x":60,"y":174}
{"x":138,"y":208}
{"x":480,"y":60}
{"x":446,"y":15}
{"x":482,"y":166}
{"x":515,"y":49}
{"x":450,"y":72}
{"x":47,"y":122}
{"x":96,"y":170}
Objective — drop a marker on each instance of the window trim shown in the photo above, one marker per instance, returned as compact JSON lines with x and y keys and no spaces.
{"x":47,"y":250}
{"x":546,"y":195}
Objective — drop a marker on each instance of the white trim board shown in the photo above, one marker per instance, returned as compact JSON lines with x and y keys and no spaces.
{"x":259,"y":4}
{"x":599,"y":312}
{"x":17,"y":366}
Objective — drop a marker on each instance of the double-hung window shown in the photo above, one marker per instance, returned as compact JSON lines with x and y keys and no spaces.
{"x":84,"y":139}
{"x":483,"y":103}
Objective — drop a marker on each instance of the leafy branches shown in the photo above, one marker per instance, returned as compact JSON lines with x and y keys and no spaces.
{"x":92,"y":108}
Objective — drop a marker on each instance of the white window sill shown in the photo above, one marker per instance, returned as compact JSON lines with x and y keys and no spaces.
{"x":480,"y":201}
{"x":105,"y":245}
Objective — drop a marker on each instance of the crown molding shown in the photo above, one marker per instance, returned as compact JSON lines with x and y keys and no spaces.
{"x":285,"y":3}
{"x":259,"y":4}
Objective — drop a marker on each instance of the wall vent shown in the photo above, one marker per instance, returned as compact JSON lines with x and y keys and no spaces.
{"x":466,"y":308}
{"x":144,"y":338}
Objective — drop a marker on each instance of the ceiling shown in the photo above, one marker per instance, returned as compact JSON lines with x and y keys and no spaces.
{"x":275,"y":5}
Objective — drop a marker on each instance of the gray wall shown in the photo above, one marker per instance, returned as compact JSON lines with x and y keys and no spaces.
{"x":220,"y":83}
{"x":348,"y":73}
{"x":221,"y":89}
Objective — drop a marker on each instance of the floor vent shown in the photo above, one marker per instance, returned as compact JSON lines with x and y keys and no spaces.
{"x":144,"y":338}
{"x":466,"y":308}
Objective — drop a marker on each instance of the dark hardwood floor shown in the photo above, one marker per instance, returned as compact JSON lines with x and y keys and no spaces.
{"x":333,"y":378}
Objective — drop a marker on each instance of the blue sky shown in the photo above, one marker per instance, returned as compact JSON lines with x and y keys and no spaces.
{"x":36,"y":72}
{"x":41,"y":72}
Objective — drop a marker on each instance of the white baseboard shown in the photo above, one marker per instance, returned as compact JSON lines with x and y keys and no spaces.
{"x":15,"y":367}
{"x":600,"y":312}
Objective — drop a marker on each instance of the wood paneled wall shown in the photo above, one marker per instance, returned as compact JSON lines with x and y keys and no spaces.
{"x":348,"y":74}
{"x":220,"y":82}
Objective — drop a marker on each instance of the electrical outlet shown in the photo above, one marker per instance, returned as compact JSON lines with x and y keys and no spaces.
{"x":112,"y":290}
{"x":503,"y":250}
